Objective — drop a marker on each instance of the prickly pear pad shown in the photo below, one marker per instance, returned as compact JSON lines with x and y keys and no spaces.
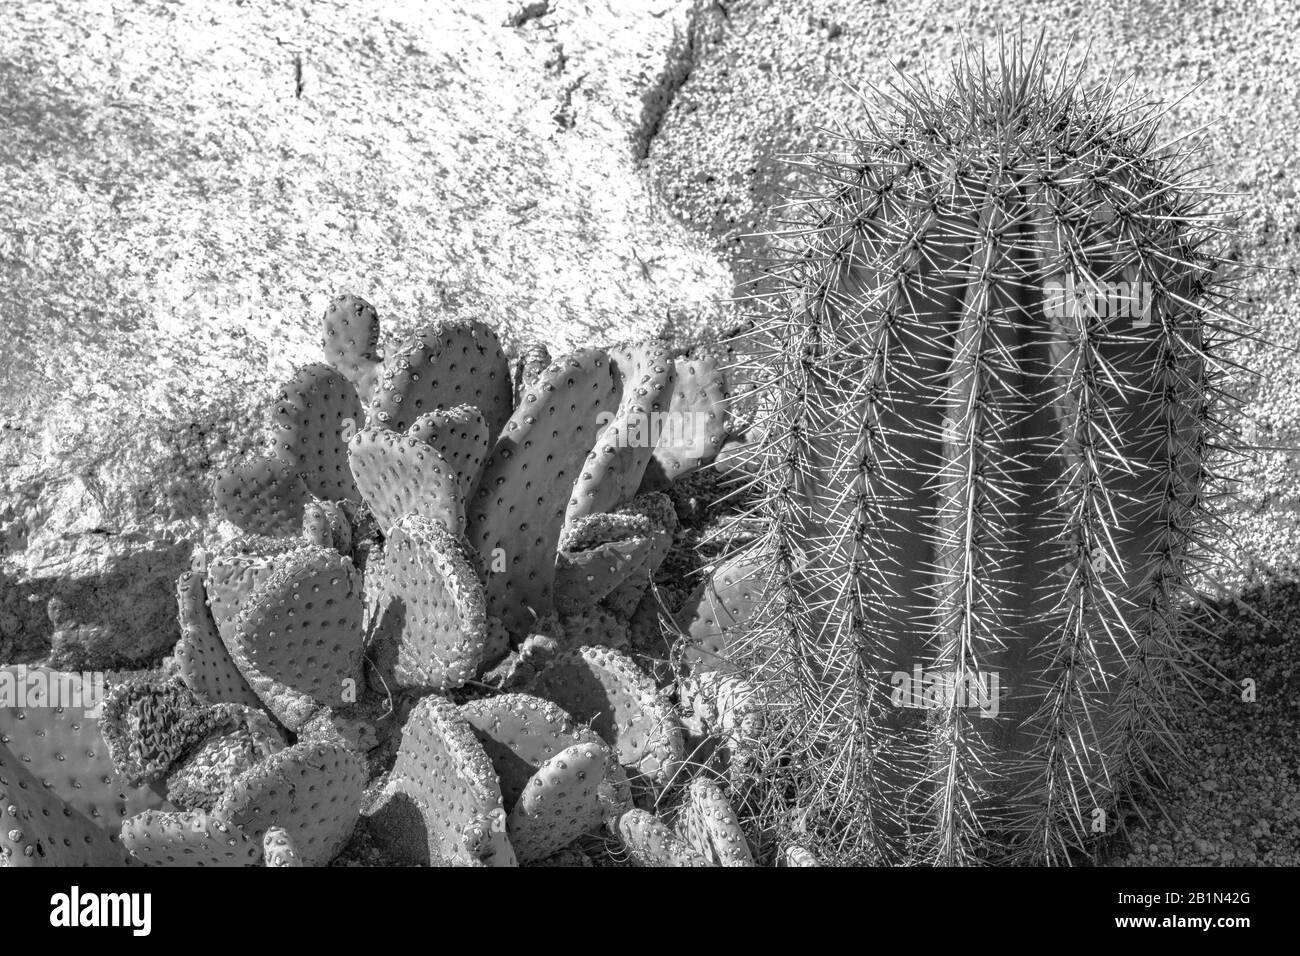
{"x":560,"y":803}
{"x":591,"y":531}
{"x":516,"y":514}
{"x":351,"y":343}
{"x":39,"y":829}
{"x":204,"y":664}
{"x":617,"y":462}
{"x":244,"y":736}
{"x":261,"y":495}
{"x":519,"y":733}
{"x":460,"y":436}
{"x":658,"y":509}
{"x":444,"y":364}
{"x":584,"y":577}
{"x":600,"y":685}
{"x":698,"y":413}
{"x":278,"y":848}
{"x":325,"y":524}
{"x":732,"y":712}
{"x":442,"y":800}
{"x":708,"y":824}
{"x":236,"y":571}
{"x":64,"y":749}
{"x":151,"y":725}
{"x":727,"y":598}
{"x":188,"y":838}
{"x":430,"y":626}
{"x":398,"y":475}
{"x":311,"y":421}
{"x":314,"y":790}
{"x":298,"y":640}
{"x":650,"y":842}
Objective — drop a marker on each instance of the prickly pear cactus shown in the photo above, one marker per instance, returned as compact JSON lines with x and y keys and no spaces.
{"x":519,"y":733}
{"x":312,"y":415}
{"x":298,"y":637}
{"x":697,"y":423}
{"x":62,"y":801}
{"x":442,"y":799}
{"x":300,"y":803}
{"x":188,"y":838}
{"x":444,"y":364}
{"x":617,"y":462}
{"x":149,"y":726}
{"x":708,"y":824}
{"x":428,"y":620}
{"x":517,"y":512}
{"x":400,"y":475}
{"x":312,"y":790}
{"x":561,"y":802}
{"x":203,"y":663}
{"x":720,"y":604}
{"x":457,"y":528}
{"x":657,"y":508}
{"x":460,"y":436}
{"x":603,"y":686}
{"x":37,"y":828}
{"x":649,"y":841}
{"x":597,"y":554}
{"x":261,"y":495}
{"x":232,"y":572}
{"x":994,"y":405}
{"x":351,"y":343}
{"x":278,"y":849}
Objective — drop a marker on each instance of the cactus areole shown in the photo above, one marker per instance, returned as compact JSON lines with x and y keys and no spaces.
{"x":994,"y":355}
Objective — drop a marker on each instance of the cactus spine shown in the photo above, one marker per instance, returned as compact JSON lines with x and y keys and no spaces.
{"x":994,"y":358}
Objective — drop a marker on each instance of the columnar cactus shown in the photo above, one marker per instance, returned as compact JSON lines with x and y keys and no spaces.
{"x":994,"y":405}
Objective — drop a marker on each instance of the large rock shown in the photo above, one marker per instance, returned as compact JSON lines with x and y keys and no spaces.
{"x":185,"y":186}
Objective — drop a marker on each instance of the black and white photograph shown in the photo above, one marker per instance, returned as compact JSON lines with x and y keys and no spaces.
{"x":650,"y":433}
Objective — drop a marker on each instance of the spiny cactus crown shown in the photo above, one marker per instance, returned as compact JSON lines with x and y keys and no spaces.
{"x":991,"y":356}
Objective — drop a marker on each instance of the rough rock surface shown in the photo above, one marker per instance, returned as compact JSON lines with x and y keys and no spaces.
{"x":187,"y":185}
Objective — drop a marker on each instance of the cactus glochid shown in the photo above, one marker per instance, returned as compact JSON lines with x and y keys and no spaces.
{"x":995,"y":349}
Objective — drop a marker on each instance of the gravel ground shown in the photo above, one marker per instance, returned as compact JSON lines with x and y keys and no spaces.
{"x":1235,"y":800}
{"x":771,"y":74}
